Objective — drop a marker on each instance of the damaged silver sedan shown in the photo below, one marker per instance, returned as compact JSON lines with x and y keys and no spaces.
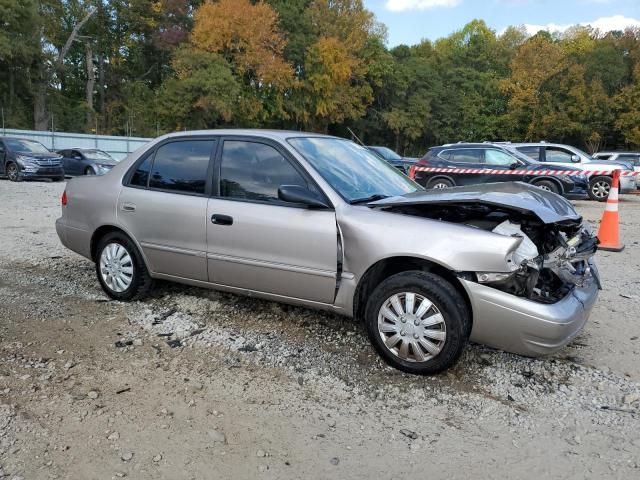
{"x":320,"y":222}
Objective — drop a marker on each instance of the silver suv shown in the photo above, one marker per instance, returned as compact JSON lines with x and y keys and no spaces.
{"x":321,"y":222}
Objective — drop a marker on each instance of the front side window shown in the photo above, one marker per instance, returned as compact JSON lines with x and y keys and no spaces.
{"x":466,"y":155}
{"x":255,"y":171}
{"x":355,"y":173}
{"x":498,"y":158}
{"x":557,"y":155}
{"x":182,"y":166}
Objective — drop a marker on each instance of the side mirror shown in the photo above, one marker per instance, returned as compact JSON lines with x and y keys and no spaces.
{"x":298,"y":194}
{"x":514,"y":165}
{"x":575,"y":158}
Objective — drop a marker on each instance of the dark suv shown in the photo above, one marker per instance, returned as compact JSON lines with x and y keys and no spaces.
{"x":21,"y":159}
{"x":473,"y":163}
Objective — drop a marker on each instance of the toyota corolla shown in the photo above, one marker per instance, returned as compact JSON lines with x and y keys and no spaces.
{"x":321,"y":222}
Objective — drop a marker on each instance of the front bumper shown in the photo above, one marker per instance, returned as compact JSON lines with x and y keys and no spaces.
{"x":42,"y":172}
{"x":525,"y":327}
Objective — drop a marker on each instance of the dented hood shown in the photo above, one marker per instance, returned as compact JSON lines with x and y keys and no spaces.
{"x":519,"y":196}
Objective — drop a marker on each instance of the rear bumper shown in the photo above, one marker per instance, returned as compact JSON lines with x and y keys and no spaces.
{"x":73,"y":238}
{"x":525,"y":327}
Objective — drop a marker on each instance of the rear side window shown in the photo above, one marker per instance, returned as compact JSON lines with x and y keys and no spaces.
{"x":255,"y":171}
{"x":140,"y":177}
{"x":531,"y":152}
{"x":606,"y":156}
{"x":634,"y":159}
{"x":182,"y":166}
{"x":467,"y":155}
{"x":557,"y":155}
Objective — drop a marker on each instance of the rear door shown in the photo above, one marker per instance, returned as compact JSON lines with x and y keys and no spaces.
{"x":256,"y":241}
{"x":471,"y":163}
{"x":163,"y":204}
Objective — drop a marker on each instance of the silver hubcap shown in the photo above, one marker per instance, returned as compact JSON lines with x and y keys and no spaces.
{"x":12,"y":171}
{"x":440,"y":185}
{"x":411,"y":327}
{"x":116,"y":267}
{"x":544,"y":187}
{"x":600,"y":189}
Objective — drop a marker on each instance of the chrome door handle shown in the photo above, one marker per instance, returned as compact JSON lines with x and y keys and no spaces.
{"x":129,"y":207}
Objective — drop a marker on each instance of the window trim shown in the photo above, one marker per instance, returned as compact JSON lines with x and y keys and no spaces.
{"x":215,"y":191}
{"x":151,"y":153}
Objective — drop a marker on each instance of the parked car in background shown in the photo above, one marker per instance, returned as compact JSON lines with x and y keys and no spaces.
{"x":476,"y":163}
{"x":401,"y":163}
{"x":22,"y":159}
{"x":86,"y":161}
{"x":632,"y":158}
{"x":559,"y":154}
{"x":319,"y":221}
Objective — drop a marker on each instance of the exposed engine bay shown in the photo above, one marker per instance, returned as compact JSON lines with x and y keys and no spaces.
{"x":549,"y":262}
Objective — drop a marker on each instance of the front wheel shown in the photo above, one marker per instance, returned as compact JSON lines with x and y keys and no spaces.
{"x":89,"y":171}
{"x":13,"y":172}
{"x":547,"y":185}
{"x":599,"y":188}
{"x":120,"y":268}
{"x":418,"y":322}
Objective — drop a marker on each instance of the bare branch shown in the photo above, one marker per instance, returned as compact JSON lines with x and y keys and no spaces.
{"x":72,"y":37}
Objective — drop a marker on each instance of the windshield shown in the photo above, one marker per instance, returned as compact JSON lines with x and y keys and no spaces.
{"x":354,"y":172}
{"x":97,"y":155}
{"x":30,"y":146}
{"x":387,"y":153}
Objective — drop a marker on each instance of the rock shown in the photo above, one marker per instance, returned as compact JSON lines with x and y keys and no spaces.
{"x":217,"y":436}
{"x":137,"y":342}
{"x":261,"y":453}
{"x":630,"y":398}
{"x":300,"y":381}
{"x":126,"y":456}
{"x":120,"y":474}
{"x":334,"y":461}
{"x":93,"y":394}
{"x":409,"y":434}
{"x":331,"y":423}
{"x":157,"y":458}
{"x":263,"y":468}
{"x":114,"y":436}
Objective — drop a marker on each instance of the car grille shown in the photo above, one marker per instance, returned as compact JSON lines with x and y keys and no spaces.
{"x":48,"y":162}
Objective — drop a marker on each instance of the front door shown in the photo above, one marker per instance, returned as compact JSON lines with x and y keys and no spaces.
{"x":164,"y":206}
{"x":256,"y":241}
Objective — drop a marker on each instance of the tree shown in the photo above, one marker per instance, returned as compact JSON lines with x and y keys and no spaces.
{"x":627,"y":107}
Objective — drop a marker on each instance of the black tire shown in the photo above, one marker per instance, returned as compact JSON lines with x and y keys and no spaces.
{"x":548,"y":185}
{"x":599,"y":188}
{"x":89,"y":171}
{"x":13,"y":172}
{"x":141,"y":282}
{"x":449,"y":302}
{"x":440,"y":183}
{"x":58,"y":179}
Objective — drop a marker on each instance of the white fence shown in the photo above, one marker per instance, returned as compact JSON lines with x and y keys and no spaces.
{"x":117,"y":147}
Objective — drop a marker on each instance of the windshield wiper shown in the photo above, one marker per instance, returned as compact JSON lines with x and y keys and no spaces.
{"x":370,"y":198}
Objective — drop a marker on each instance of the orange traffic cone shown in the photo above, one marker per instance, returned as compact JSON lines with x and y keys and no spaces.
{"x":609,"y":232}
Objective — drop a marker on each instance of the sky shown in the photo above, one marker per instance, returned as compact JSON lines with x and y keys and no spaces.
{"x":409,"y":21}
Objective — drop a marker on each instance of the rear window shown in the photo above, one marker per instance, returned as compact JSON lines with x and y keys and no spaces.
{"x":182,"y":166}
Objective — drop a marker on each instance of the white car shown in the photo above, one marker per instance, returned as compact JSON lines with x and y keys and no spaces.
{"x":632,"y":158}
{"x":599,"y":182}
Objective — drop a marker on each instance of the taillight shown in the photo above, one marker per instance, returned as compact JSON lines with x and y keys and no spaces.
{"x":64,"y":198}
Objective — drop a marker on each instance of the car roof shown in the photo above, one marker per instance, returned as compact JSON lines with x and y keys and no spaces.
{"x":254,"y":132}
{"x":616,"y":153}
{"x":472,"y":145}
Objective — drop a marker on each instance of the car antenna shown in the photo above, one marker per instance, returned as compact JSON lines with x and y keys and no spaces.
{"x":353,"y":135}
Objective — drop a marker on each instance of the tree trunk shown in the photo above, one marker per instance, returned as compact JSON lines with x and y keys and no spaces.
{"x":101,"y":82}
{"x":40,"y":114}
{"x":91,"y":81}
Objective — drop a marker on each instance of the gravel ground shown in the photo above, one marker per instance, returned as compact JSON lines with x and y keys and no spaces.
{"x":198,"y":384}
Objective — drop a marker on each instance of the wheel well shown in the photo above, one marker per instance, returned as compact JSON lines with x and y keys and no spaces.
{"x":391,"y":266}
{"x":101,"y":232}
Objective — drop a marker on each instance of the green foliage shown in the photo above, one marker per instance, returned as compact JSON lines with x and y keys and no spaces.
{"x":144,"y":67}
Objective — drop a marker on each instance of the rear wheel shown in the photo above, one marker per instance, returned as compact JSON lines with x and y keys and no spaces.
{"x":418,"y":322}
{"x":547,"y":185}
{"x":439,"y":183}
{"x":599,"y":188}
{"x":120,"y":269}
{"x":13,"y":173}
